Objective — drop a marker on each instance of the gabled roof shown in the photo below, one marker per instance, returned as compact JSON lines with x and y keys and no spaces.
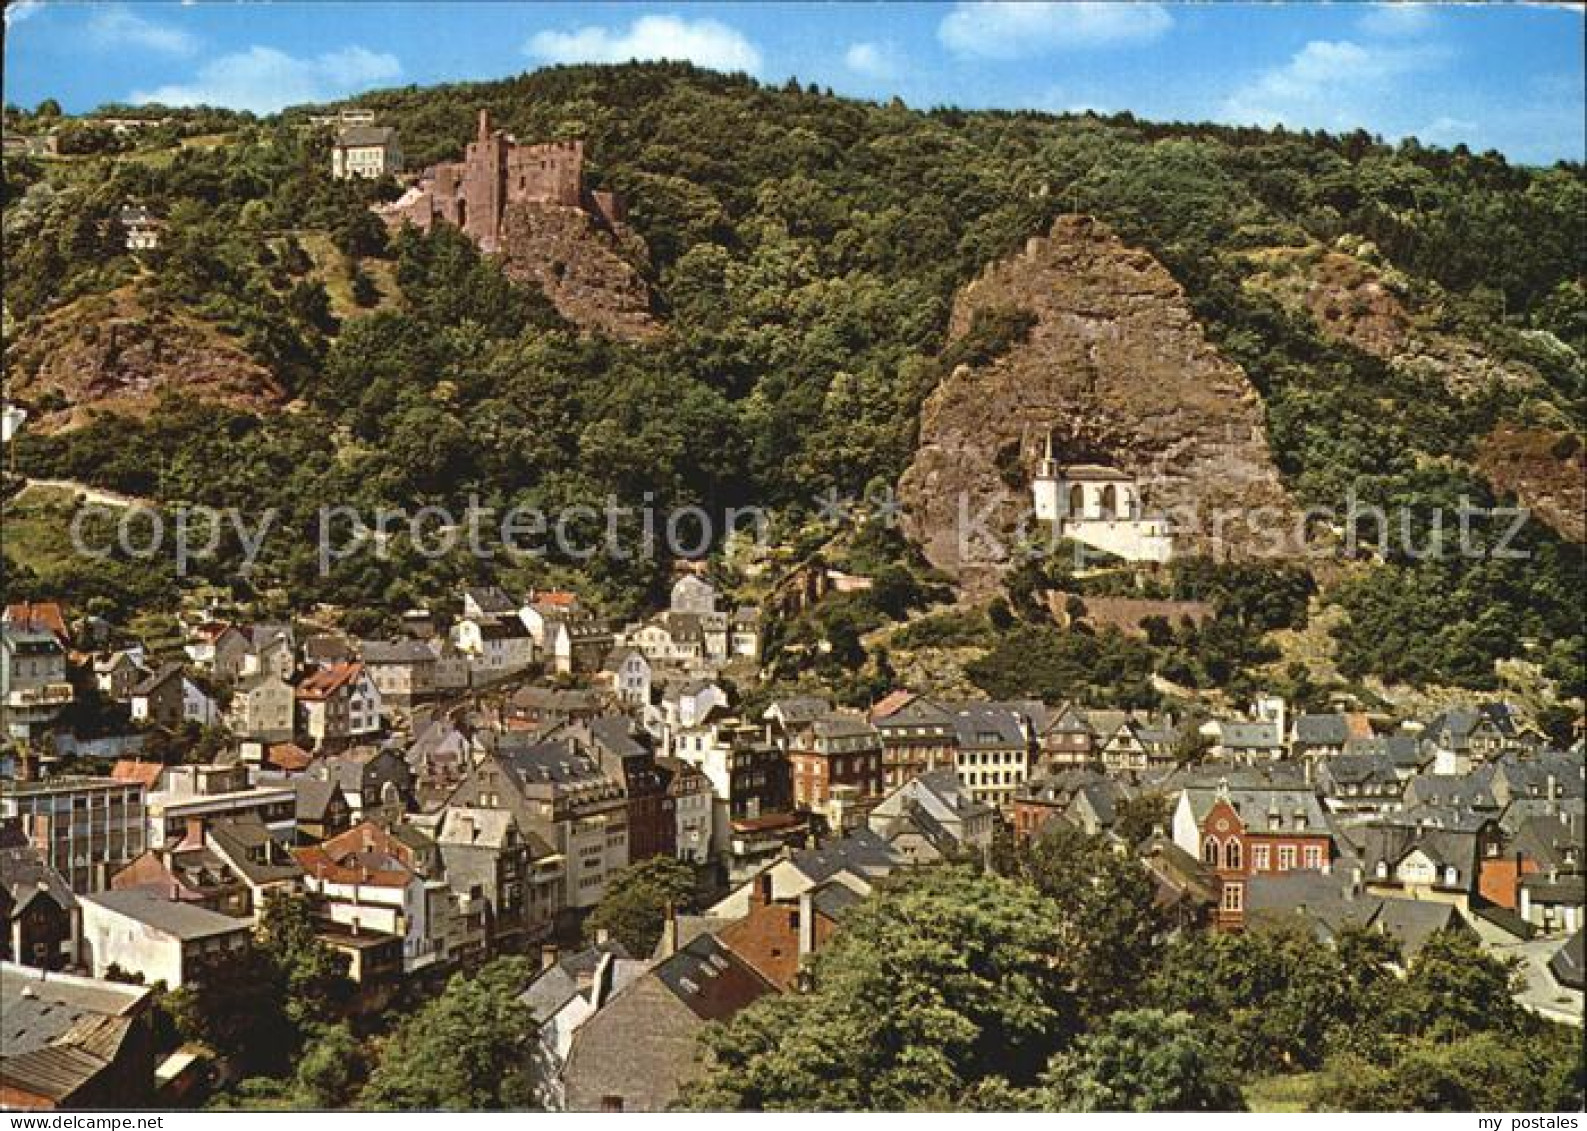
{"x":146,"y":773}
{"x":491,"y":599}
{"x":395,"y":652}
{"x":153,"y":682}
{"x":1322,"y":730}
{"x":364,"y":854}
{"x":1240,"y":735}
{"x":26,"y":875}
{"x":329,"y":681}
{"x":355,"y":136}
{"x":1254,"y":806}
{"x":472,"y":827}
{"x":712,"y":981}
{"x":798,"y":709}
{"x":861,"y":852}
{"x":1569,"y":964}
{"x":988,"y":726}
{"x":45,"y":616}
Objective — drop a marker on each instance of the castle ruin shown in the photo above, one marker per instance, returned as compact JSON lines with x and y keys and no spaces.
{"x":496,"y":172}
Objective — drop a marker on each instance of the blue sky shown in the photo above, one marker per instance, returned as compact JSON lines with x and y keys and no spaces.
{"x":1507,"y":77}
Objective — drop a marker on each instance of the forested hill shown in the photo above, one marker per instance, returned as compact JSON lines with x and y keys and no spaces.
{"x":1409,"y":315}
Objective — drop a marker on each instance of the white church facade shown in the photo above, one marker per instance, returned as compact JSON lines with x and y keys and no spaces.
{"x":1099,"y":507}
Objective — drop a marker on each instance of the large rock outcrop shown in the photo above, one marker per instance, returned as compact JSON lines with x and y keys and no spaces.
{"x":118,"y":353}
{"x":1118,"y":371}
{"x":584,"y":267}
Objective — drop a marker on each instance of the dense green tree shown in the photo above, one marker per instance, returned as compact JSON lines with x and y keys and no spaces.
{"x":466,"y":1050}
{"x":935,"y":986}
{"x":1144,"y":1060}
{"x":317,"y":985}
{"x":635,"y":904}
{"x":1107,"y":912}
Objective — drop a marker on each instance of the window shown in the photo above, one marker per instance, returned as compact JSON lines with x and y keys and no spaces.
{"x":1261,"y":858}
{"x":1313,"y":855}
{"x":611,"y":1103}
{"x":1231,"y":854}
{"x":1286,"y":857}
{"x":1209,"y":852}
{"x":1233,"y":897}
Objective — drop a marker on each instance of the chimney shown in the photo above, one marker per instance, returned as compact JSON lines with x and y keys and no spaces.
{"x":484,"y":124}
{"x":603,"y":980}
{"x":669,"y":933}
{"x":807,"y":925}
{"x":761,"y":897}
{"x":548,"y":956}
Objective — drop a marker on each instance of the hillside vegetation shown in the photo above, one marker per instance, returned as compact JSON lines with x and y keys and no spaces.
{"x":806,"y":251}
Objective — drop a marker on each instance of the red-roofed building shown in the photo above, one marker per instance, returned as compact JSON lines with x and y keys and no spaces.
{"x":287,"y":757}
{"x":47,"y":615}
{"x":368,"y":883}
{"x":339,"y":703}
{"x":146,"y":774}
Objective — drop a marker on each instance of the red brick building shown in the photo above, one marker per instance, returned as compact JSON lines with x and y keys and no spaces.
{"x":1238,"y":833}
{"x":837,"y":750}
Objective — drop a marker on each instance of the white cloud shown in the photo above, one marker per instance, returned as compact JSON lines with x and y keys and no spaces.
{"x":1329,"y":84}
{"x":116,"y":28}
{"x":265,"y":80}
{"x":872,"y":60}
{"x":707,"y":43}
{"x":19,"y":10}
{"x":1011,"y":30}
{"x":1399,"y":19}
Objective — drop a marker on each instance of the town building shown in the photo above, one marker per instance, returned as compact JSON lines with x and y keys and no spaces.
{"x":74,"y":1043}
{"x":86,"y":828}
{"x":366,"y":151}
{"x":1100,"y":507}
{"x":34,"y":689}
{"x":38,"y":912}
{"x":139,"y":933}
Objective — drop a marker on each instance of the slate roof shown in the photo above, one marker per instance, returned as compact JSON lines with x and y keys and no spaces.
{"x":185,"y":921}
{"x":396,"y":652}
{"x":491,"y":599}
{"x":155,"y":680}
{"x":1260,"y":735}
{"x":354,"y":136}
{"x":989,"y":727}
{"x":1254,"y":805}
{"x":861,"y":852}
{"x":1322,"y":730}
{"x":247,"y":844}
{"x":1330,"y":906}
{"x":1569,"y":964}
{"x":571,"y":974}
{"x":25,"y":875}
{"x":35,"y":1009}
{"x":558,"y":762}
{"x":799,"y":709}
{"x":710,"y":979}
{"x":615,"y":733}
{"x":314,"y":797}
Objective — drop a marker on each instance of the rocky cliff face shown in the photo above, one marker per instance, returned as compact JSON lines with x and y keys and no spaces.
{"x":1118,"y":371}
{"x":1353,"y":300}
{"x":585,"y":269}
{"x":1546,"y":470}
{"x":116,"y":353}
